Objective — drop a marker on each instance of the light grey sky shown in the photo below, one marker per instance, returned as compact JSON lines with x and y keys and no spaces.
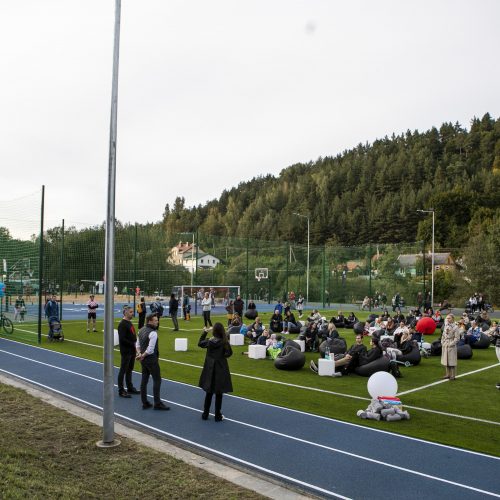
{"x":212,"y":93}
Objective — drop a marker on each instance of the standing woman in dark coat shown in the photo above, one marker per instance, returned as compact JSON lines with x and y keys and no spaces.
{"x":215,"y":377}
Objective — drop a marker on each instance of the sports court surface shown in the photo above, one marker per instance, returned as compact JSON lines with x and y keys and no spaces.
{"x":319,"y":455}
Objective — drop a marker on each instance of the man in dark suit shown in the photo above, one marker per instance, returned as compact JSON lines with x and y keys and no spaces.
{"x":127,"y":338}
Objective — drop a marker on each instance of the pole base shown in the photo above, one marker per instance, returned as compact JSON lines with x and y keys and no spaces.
{"x":112,"y":444}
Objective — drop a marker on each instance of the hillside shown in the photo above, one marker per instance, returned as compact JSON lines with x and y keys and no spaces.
{"x":367,"y":194}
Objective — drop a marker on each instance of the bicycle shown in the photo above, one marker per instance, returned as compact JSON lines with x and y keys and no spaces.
{"x":6,"y":323}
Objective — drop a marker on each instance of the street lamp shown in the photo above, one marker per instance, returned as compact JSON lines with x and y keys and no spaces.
{"x":431,"y":211}
{"x":308,"y":240}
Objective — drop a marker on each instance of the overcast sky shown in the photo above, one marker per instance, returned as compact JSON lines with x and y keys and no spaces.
{"x":212,"y":93}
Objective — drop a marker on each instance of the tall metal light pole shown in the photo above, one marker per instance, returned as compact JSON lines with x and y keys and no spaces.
{"x":431,"y":211}
{"x":308,"y":246}
{"x":108,"y":423}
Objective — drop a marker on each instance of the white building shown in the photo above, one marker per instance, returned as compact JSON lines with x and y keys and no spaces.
{"x":184,"y":254}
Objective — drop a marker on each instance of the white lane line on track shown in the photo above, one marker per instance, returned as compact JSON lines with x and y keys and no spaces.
{"x":301,"y":412}
{"x":314,"y":389}
{"x":262,"y":429}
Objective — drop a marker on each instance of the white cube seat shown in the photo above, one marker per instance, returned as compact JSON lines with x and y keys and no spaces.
{"x":257,"y":351}
{"x":302,"y":344}
{"x":236,"y":339}
{"x":326,"y":367}
{"x":181,"y":344}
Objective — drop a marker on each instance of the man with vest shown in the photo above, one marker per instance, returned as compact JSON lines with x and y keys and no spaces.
{"x":148,"y":354}
{"x":127,"y":339}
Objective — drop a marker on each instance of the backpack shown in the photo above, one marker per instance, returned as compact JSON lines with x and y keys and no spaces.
{"x":156,"y":308}
{"x":140,"y":308}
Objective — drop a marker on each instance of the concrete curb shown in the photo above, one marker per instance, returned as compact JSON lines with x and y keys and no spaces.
{"x":260,"y":485}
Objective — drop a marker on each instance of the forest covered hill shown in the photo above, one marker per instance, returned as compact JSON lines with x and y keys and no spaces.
{"x":370,"y":193}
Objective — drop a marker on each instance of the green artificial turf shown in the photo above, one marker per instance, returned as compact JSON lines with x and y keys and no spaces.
{"x":472,"y":396}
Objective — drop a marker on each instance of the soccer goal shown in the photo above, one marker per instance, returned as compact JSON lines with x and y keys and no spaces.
{"x":221,"y":295}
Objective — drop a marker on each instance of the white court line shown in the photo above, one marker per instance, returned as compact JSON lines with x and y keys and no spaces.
{"x":253,"y":401}
{"x":443,"y":381}
{"x":293,"y":438}
{"x":307,"y":388}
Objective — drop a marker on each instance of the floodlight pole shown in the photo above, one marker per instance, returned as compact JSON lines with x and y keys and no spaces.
{"x":308,"y":249}
{"x":108,"y":439}
{"x":433,"y":212}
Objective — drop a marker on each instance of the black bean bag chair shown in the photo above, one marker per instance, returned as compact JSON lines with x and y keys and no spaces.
{"x":464,"y":351}
{"x":359,"y":327}
{"x":412,"y":357}
{"x":379,"y":365}
{"x":337,"y":346}
{"x":290,"y":358}
{"x":294,"y":329}
{"x":251,"y":314}
{"x":483,"y":342}
{"x":372,"y":317}
{"x":436,"y":348}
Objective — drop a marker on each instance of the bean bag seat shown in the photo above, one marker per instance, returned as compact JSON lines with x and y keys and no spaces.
{"x":379,"y":365}
{"x":413,"y":356}
{"x":359,"y":327}
{"x":233,"y":329}
{"x":372,"y":317}
{"x":294,"y":329}
{"x":483,"y":342}
{"x":337,"y":346}
{"x":290,"y":358}
{"x":436,"y":348}
{"x":292,"y":344}
{"x":251,"y":314}
{"x":464,"y":351}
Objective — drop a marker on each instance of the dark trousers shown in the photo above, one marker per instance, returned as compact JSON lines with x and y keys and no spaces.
{"x":208,"y":402}
{"x":142,"y":319}
{"x":150,"y":366}
{"x":126,"y":369}
{"x":175,"y":321}
{"x":206,"y":318}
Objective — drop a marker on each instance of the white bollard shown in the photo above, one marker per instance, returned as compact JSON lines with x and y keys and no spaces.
{"x":326,"y":367}
{"x":181,"y":345}
{"x":236,"y":339}
{"x":257,"y":351}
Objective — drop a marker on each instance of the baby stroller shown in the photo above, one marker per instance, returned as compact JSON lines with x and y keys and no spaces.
{"x":55,"y":330}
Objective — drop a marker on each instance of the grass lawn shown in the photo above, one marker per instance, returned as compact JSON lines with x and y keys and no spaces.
{"x":48,"y":453}
{"x":471,"y":396}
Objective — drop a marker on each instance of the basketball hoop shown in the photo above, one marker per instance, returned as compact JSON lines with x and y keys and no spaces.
{"x":261,"y":273}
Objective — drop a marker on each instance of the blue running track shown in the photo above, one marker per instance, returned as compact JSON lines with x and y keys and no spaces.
{"x":328,"y":458}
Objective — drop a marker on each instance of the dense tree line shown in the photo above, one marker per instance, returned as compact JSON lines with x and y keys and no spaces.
{"x":367,"y":194}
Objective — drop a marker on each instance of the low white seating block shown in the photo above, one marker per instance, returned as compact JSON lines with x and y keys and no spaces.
{"x":257,"y":351}
{"x":236,"y":339}
{"x":302,"y":344}
{"x":116,"y":338}
{"x":326,"y":367}
{"x":181,"y":344}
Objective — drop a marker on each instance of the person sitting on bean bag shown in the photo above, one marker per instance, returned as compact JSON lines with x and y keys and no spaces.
{"x":262,"y":340}
{"x":473,"y":333}
{"x":339,"y":320}
{"x":315,"y":316}
{"x":350,"y":320}
{"x":276,"y":322}
{"x":289,"y":321}
{"x":346,"y":363}
{"x":255,"y":330}
{"x":374,"y":353}
{"x":274,"y":345}
{"x":311,"y":337}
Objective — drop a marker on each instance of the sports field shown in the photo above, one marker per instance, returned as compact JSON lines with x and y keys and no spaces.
{"x":462,"y":413}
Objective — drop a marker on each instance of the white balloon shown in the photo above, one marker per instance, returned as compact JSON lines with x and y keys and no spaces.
{"x":117,"y":341}
{"x":382,"y":384}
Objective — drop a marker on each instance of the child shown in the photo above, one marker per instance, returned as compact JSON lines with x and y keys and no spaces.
{"x":215,"y":376}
